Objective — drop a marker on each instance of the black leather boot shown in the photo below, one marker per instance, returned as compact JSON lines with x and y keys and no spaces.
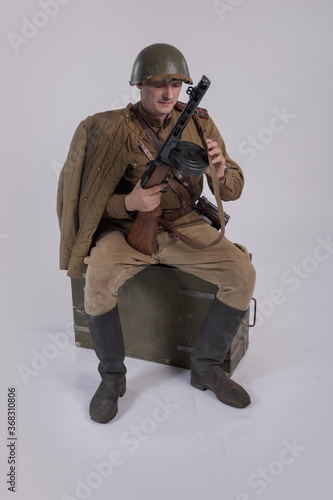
{"x":214,"y":339}
{"x":108,"y":343}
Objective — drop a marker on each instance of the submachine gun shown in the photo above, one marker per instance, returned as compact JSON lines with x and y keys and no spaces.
{"x":186,"y":157}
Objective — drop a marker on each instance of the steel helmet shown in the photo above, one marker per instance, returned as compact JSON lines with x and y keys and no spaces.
{"x":159,"y":61}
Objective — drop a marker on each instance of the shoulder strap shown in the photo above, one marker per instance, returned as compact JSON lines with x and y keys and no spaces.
{"x":201,"y":112}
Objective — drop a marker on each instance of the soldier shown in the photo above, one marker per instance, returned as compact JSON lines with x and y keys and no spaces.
{"x":99,"y":194}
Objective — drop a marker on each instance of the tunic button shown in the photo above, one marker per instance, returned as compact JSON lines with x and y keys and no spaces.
{"x":135,"y":164}
{"x":85,"y":199}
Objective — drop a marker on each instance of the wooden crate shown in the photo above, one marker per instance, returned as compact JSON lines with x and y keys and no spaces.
{"x":161,"y":311}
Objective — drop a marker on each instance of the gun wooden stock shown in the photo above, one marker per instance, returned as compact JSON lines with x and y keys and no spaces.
{"x":143,"y":233}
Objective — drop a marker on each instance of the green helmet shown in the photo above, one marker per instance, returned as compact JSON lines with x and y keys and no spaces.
{"x":160,"y":61}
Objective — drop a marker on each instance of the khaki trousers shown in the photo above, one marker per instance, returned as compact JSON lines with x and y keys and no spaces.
{"x":112,"y":262}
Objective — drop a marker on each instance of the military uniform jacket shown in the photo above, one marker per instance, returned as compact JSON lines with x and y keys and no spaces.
{"x":103,"y":154}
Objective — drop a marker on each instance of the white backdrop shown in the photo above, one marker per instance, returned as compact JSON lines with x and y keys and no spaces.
{"x":270,"y":63}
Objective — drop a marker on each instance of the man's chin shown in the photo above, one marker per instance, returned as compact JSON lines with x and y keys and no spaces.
{"x":165,"y":108}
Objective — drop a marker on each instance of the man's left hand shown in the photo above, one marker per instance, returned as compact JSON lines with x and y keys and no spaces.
{"x":217,"y":158}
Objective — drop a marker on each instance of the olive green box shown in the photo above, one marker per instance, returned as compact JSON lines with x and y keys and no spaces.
{"x":161,"y":311}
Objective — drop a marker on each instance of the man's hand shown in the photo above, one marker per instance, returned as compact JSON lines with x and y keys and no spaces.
{"x":144,"y":200}
{"x":217,"y":158}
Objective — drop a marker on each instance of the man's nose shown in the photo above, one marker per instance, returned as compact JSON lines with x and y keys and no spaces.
{"x":167,"y":94}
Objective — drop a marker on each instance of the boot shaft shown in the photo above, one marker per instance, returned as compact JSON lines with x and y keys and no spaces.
{"x":108,"y":342}
{"x":216,"y":335}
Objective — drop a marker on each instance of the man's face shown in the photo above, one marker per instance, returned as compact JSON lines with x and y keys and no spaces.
{"x":159,"y":98}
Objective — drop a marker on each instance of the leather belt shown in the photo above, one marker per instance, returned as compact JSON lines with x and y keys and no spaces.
{"x":174,"y":213}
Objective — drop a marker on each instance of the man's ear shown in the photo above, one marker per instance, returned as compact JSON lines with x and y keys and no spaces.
{"x":139,"y":86}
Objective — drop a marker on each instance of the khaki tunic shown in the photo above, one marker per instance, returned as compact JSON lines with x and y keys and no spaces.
{"x":105,"y":146}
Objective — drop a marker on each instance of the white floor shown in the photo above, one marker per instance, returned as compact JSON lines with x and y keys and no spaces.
{"x":170,"y":440}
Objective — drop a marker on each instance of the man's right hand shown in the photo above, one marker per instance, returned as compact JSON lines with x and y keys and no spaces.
{"x":144,"y":200}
